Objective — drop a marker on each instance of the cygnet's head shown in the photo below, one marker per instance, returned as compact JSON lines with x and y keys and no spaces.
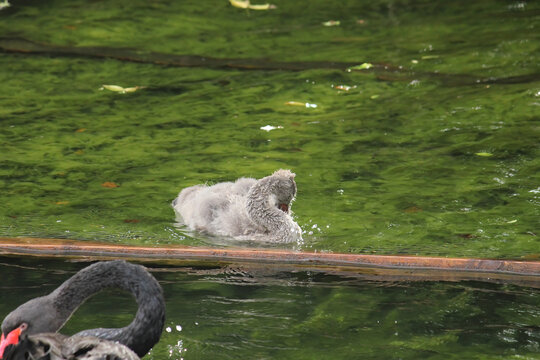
{"x":283,"y":189}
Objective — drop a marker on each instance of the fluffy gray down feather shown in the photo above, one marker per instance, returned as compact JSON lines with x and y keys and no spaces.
{"x":54,"y":346}
{"x":247,"y":209}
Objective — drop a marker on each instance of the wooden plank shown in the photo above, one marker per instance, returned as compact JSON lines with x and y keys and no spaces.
{"x":75,"y":248}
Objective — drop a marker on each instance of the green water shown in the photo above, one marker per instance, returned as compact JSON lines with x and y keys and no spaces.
{"x":238,"y":313}
{"x":389,"y":166}
{"x":395,"y":165}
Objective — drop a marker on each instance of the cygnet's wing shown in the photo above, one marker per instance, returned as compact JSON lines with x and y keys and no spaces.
{"x":54,"y":346}
{"x":185,"y":197}
{"x":93,"y":348}
{"x":221,"y":188}
{"x":242,"y":186}
{"x":198,"y":206}
{"x":41,"y":346}
{"x":234,"y":221}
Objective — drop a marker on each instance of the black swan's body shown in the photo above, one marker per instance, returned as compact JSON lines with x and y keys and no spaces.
{"x":247,"y":209}
{"x":39,"y":319}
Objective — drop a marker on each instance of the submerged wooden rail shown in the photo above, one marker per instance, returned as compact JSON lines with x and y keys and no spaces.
{"x":383,"y":71}
{"x":389,"y":266}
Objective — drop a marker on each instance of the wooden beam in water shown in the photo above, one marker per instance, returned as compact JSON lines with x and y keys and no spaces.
{"x":383,"y":71}
{"x":390,"y":267}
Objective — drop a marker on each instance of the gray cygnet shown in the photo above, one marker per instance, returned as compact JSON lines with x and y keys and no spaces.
{"x":247,"y":209}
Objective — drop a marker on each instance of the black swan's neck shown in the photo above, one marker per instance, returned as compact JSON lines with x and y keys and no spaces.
{"x":145,"y":330}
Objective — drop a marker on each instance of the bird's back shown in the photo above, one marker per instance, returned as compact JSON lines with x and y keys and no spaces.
{"x":218,"y":209}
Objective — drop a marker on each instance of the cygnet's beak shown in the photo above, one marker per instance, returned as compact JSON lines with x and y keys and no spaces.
{"x":284,"y":208}
{"x":11,"y":339}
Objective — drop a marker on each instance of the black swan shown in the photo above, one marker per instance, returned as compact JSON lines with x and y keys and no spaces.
{"x":247,"y":209}
{"x":32,"y":327}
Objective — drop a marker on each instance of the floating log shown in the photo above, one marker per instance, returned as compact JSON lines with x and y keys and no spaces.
{"x":382,"y":71}
{"x":384,"y":266}
{"x":19,"y":45}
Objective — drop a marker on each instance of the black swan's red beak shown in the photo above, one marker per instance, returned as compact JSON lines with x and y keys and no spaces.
{"x":284,"y":207}
{"x":11,"y":339}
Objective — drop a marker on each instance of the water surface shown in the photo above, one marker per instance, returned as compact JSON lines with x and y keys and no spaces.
{"x":389,"y":166}
{"x":268,"y":313}
{"x":432,"y":151}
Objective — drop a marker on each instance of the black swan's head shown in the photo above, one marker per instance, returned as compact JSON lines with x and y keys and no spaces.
{"x":36,"y":316}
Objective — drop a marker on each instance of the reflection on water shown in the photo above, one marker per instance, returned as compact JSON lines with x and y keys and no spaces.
{"x":253,"y":313}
